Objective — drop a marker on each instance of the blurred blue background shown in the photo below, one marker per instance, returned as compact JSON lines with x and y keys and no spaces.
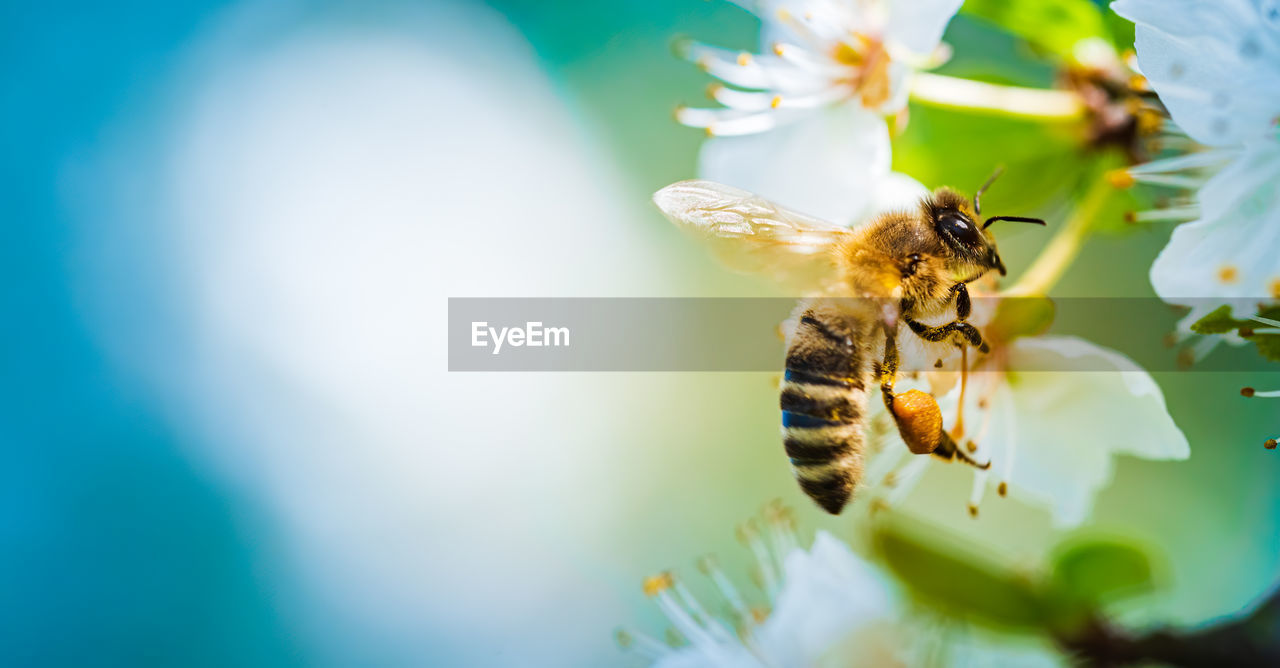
{"x":230,"y":229}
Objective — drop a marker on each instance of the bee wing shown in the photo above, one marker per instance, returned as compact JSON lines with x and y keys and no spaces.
{"x":753,"y":235}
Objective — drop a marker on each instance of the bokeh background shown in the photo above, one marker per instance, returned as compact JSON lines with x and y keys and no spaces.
{"x":230,"y":438}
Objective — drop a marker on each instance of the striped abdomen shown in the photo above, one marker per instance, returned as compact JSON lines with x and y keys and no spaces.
{"x":823,"y":403}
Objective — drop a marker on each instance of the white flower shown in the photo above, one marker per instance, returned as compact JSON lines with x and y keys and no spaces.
{"x":827,"y":607}
{"x":1216,"y":66}
{"x":818,"y":599}
{"x":1048,"y":414}
{"x":801,"y":122}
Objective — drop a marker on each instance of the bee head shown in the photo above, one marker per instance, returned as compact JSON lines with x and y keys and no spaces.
{"x":958,"y":226}
{"x":967,"y":241}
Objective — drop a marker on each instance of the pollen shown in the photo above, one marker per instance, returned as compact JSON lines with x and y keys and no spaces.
{"x":744,"y":59}
{"x":1139,"y":83}
{"x":777,"y":49}
{"x":1228,"y":274}
{"x":1247,"y":391}
{"x":658,"y":583}
{"x":1269,"y":444}
{"x":1274,"y":288}
{"x":714,"y":89}
{"x":776,"y":101}
{"x":1120,"y":178}
{"x":1003,"y":489}
{"x":847,"y":55}
{"x":973,"y":510}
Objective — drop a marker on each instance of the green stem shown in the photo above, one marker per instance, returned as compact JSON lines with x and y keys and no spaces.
{"x":965,"y":94}
{"x":1063,"y":248}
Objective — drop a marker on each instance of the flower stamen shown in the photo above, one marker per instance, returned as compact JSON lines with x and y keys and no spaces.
{"x":641,"y":644}
{"x":1179,"y":214}
{"x":711,"y":568}
{"x":749,"y":535}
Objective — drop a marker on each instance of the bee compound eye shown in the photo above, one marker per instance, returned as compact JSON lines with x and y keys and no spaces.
{"x":959,"y":227}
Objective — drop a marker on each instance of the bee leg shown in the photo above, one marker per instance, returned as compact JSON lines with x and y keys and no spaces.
{"x":970,"y":333}
{"x":889,"y":368}
{"x":950,"y":450}
{"x":964,"y":305}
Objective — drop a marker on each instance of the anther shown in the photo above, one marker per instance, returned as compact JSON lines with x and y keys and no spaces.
{"x":1120,"y":178}
{"x":973,"y":510}
{"x":776,"y":101}
{"x":657,"y":584}
{"x":1270,"y":444}
{"x":1003,"y":489}
{"x":744,"y":59}
{"x":1228,"y":274}
{"x":1247,"y":391}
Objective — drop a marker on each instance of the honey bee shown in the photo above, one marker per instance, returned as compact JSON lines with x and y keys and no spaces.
{"x":862,"y":286}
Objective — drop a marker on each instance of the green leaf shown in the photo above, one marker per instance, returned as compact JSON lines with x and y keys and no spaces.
{"x":1268,"y":346}
{"x":1052,"y":26}
{"x":961,"y":150}
{"x":1096,"y":571}
{"x":958,"y":584}
{"x":1220,"y":321}
{"x":1217,"y":322}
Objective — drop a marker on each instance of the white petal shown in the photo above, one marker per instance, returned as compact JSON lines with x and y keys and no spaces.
{"x":728,"y":655}
{"x":1208,"y":62}
{"x":1067,"y":424}
{"x":825,"y":163}
{"x":896,"y":192}
{"x":1233,"y":251}
{"x":822,"y":20}
{"x":829,"y":593}
{"x":918,"y":24}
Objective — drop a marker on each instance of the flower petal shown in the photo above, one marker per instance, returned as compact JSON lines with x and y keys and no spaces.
{"x":1232,"y":251}
{"x":918,"y":25}
{"x":727,"y":655}
{"x":897,"y":192}
{"x":1062,"y":427}
{"x":828,"y":594}
{"x":826,"y":163}
{"x":1207,"y":61}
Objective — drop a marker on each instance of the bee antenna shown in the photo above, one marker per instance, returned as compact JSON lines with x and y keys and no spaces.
{"x":977,"y":208}
{"x":1016,"y":219}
